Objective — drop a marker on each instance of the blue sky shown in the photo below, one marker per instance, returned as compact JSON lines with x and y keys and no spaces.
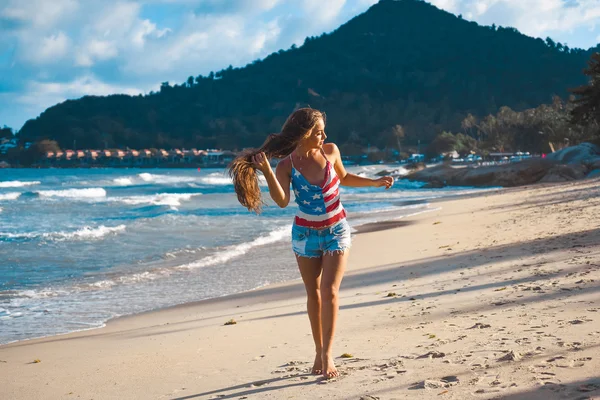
{"x":55,"y":50}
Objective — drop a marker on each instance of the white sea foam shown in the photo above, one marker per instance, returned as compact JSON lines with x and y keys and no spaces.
{"x":7,"y":184}
{"x":221,"y":179}
{"x":9,"y":196}
{"x":237,"y":250}
{"x":14,"y":295}
{"x":400,"y":171}
{"x":89,"y":193}
{"x":8,"y":235}
{"x":85,"y":233}
{"x":165,"y":179}
{"x":123,"y":181}
{"x":160,"y":199}
{"x":104,"y":284}
{"x":126,"y":279}
{"x":216,"y":179}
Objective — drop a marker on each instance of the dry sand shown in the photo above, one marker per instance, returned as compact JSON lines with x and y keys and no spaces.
{"x":493,"y":296}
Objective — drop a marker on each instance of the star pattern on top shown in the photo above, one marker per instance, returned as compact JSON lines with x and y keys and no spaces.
{"x":304,"y":187}
{"x":319,"y":209}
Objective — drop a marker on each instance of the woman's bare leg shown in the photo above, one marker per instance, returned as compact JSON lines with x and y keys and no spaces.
{"x":310,"y":269}
{"x":334,"y":266}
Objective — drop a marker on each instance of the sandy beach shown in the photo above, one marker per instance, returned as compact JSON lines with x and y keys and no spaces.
{"x":493,"y":296}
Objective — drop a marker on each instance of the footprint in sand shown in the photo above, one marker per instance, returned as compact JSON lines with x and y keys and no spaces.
{"x":440,"y":383}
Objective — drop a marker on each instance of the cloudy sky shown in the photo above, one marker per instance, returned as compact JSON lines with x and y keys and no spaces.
{"x":63,"y":49}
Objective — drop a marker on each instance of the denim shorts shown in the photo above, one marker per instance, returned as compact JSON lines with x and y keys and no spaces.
{"x":313,"y":243}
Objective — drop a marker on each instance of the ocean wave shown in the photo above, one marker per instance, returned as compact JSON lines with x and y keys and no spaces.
{"x":9,"y":196}
{"x":237,"y":250}
{"x":123,"y":181}
{"x":89,"y":193}
{"x":165,"y":179}
{"x":11,"y":184}
{"x":222,"y":256}
{"x":12,"y":295}
{"x":221,"y":179}
{"x":85,"y":233}
{"x":160,"y":199}
{"x":391,"y":170}
{"x":399,"y":171}
{"x":216,"y":179}
{"x":127,"y":279}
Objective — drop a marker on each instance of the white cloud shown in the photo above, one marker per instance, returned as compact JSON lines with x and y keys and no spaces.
{"x":323,"y":10}
{"x":50,"y":49}
{"x":39,"y":13}
{"x":117,"y":19}
{"x":45,"y":94}
{"x":448,"y":5}
{"x":68,"y":48}
{"x":96,"y":50}
{"x":144,"y":30}
{"x":203,"y":43}
{"x":538,"y":18}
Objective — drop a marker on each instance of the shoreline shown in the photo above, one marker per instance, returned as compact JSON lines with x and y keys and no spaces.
{"x":367,"y":227}
{"x":360,"y":229}
{"x":491,"y":296}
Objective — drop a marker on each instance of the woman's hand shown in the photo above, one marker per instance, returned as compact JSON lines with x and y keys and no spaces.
{"x":261,"y":162}
{"x":386,"y":181}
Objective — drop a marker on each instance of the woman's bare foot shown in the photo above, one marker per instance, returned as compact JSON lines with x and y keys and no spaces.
{"x":317,"y":368}
{"x":329,"y":369}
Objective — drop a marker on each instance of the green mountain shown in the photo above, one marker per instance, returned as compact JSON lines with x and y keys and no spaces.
{"x":401,"y":62}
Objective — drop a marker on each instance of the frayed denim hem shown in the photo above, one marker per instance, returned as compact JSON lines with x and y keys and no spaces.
{"x":338,"y":252}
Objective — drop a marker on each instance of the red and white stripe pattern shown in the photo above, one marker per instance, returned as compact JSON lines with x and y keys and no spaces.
{"x":318,"y":206}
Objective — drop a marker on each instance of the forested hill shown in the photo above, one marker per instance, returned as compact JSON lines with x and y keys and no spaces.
{"x":401,"y":62}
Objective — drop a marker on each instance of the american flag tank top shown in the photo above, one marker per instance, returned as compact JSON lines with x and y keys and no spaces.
{"x":319,"y":206}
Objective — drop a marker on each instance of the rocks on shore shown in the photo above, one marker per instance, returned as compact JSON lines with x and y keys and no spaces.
{"x":568,"y":164}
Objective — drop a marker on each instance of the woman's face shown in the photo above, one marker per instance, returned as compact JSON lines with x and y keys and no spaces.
{"x":316,"y":137}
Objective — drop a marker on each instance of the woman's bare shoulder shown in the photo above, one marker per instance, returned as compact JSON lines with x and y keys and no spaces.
{"x":330,"y":149}
{"x":285,"y":164}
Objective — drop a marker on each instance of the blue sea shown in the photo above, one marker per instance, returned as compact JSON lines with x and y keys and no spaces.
{"x":81,"y":246}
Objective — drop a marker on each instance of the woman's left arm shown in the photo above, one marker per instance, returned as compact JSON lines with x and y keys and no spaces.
{"x":348,"y":179}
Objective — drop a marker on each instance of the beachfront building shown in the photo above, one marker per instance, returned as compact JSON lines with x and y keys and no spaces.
{"x":137,"y":158}
{"x":175,"y":156}
{"x":91,"y":156}
{"x":218,"y":157}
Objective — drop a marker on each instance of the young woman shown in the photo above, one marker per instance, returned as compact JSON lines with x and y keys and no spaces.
{"x":320,"y":233}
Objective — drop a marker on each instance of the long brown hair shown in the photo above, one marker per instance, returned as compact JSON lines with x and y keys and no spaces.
{"x":278,"y":145}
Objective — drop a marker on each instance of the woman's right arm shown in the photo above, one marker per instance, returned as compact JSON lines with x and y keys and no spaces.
{"x":279,"y":181}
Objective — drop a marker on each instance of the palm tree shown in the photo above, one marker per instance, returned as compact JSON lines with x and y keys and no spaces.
{"x":587,"y":105}
{"x":468,"y":124}
{"x":398,"y":132}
